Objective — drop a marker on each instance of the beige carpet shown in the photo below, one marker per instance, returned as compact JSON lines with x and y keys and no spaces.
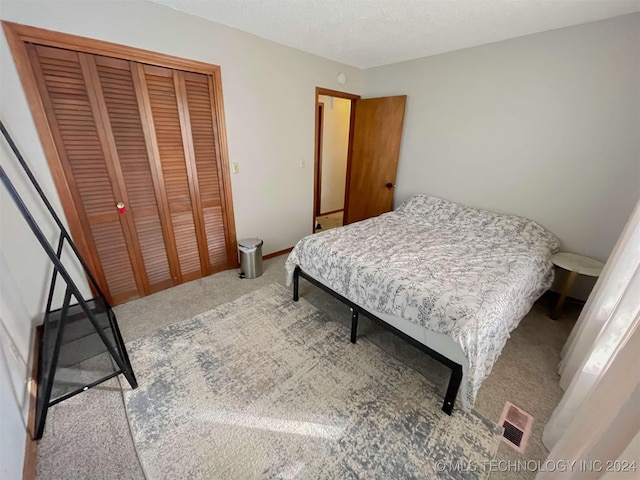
{"x":88,"y":436}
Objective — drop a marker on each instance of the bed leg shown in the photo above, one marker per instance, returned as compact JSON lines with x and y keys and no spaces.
{"x":452,"y":389}
{"x":354,"y":325}
{"x":296,"y":277}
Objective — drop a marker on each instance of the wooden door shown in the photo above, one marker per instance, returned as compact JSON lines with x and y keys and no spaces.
{"x":81,"y":147}
{"x":118,"y":97}
{"x":375,"y":148}
{"x":207,"y":170}
{"x":167,"y":123}
{"x":145,"y":137}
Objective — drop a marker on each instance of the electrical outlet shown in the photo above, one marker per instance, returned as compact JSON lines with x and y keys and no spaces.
{"x":235,"y":168}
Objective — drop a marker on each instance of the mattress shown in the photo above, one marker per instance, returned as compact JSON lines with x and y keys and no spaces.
{"x":466,"y":273}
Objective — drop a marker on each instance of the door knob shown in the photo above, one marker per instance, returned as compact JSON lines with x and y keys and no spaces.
{"x":120,"y":207}
{"x":389,"y":185}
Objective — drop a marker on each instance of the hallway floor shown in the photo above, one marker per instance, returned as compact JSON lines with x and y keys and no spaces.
{"x":329,"y":221}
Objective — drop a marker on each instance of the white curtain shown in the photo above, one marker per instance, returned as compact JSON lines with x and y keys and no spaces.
{"x":607,"y":294}
{"x":599,"y":414}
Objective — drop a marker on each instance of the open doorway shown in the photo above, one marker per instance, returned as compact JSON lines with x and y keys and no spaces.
{"x":356,"y":161}
{"x":333,"y":133}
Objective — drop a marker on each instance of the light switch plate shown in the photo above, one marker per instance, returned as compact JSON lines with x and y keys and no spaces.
{"x":235,"y":168}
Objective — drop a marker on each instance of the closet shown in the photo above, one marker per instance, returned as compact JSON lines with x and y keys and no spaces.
{"x":139,"y":146}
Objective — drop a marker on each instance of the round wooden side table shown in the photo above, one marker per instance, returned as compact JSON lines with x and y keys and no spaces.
{"x":576,"y":265}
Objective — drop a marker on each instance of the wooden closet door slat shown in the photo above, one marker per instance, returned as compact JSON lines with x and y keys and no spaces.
{"x":71,"y":118}
{"x":200,"y":102}
{"x":171,"y":150}
{"x":121,"y":103}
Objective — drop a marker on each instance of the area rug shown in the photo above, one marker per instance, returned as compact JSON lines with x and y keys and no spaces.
{"x":265,"y":387}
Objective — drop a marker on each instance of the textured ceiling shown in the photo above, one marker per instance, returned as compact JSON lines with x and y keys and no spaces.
{"x":369,"y":33}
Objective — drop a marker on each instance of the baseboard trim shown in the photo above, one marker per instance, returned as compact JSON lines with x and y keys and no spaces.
{"x":31,"y":446}
{"x":277,"y":254}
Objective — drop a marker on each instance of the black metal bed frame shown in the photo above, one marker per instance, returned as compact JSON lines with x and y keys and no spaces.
{"x":456,"y":368}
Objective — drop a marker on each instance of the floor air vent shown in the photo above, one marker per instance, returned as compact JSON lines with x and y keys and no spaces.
{"x":517,"y":426}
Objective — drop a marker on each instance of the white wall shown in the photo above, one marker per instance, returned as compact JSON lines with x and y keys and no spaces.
{"x":335,"y":146}
{"x":269,"y":95}
{"x":544,"y":126}
{"x":15,"y":339}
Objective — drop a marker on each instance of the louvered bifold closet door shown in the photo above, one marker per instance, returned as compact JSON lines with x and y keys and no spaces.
{"x":199,"y":93}
{"x":161,"y":87}
{"x":141,"y":186}
{"x":140,"y":149}
{"x":63,"y":78}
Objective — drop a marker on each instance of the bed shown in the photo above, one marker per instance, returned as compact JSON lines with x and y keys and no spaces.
{"x":452,"y":280}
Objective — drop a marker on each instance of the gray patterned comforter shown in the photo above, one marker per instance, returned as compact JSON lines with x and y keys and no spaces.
{"x":468,"y":273}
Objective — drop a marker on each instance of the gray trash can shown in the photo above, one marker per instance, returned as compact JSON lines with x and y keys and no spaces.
{"x":250,"y":257}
